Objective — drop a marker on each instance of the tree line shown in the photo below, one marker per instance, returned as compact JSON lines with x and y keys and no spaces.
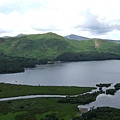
{"x":9,"y":64}
{"x":87,"y":56}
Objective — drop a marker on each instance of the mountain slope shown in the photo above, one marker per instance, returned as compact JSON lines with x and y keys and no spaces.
{"x":39,"y":46}
{"x":51,"y":45}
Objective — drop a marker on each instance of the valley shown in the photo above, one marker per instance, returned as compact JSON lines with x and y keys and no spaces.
{"x":38,"y":64}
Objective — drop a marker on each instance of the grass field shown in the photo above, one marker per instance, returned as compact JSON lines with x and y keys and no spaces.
{"x":10,"y":90}
{"x":38,"y":108}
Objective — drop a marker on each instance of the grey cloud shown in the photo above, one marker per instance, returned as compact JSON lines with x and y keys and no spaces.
{"x":93,"y":25}
{"x":3,"y":31}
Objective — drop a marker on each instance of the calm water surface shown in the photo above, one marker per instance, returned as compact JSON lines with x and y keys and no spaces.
{"x":68,"y":74}
{"x":104,"y":100}
{"x":73,"y":74}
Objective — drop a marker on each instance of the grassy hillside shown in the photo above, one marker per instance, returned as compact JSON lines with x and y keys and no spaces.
{"x":39,"y":46}
{"x":50,"y":45}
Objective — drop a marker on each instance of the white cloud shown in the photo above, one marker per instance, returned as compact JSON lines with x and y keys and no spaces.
{"x":84,"y":17}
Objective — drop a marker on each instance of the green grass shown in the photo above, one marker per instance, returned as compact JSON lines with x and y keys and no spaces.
{"x":87,"y":45}
{"x":36,"y":108}
{"x":10,"y":115}
{"x":8,"y":90}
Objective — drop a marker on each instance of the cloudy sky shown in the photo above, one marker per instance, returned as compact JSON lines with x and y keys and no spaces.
{"x":90,"y":18}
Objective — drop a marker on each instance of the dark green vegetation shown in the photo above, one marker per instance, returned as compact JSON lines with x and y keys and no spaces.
{"x":10,"y":90}
{"x":37,"y":109}
{"x":42,"y":48}
{"x":103,"y":113}
{"x":104,"y":85}
{"x":81,"y":99}
{"x":10,"y":64}
{"x":87,"y":56}
{"x":111,"y":91}
{"x":117,"y":86}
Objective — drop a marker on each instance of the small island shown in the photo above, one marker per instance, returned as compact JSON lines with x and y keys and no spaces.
{"x":103,"y":85}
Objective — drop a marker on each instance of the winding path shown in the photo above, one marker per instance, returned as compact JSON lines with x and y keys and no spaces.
{"x":32,"y":96}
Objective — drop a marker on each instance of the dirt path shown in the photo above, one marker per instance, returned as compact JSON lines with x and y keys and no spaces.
{"x":96,"y":45}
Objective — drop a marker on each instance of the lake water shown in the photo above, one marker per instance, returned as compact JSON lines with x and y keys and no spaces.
{"x":68,"y":74}
{"x":73,"y":74}
{"x":104,"y":100}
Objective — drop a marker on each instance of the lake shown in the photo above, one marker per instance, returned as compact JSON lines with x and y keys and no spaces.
{"x":104,"y":100}
{"x":68,"y":74}
{"x":73,"y":74}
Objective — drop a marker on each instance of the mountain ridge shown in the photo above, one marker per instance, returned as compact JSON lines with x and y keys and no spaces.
{"x":50,"y":45}
{"x":78,"y":37}
{"x":75,"y":37}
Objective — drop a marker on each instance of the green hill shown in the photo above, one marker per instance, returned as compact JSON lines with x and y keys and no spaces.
{"x":40,"y":46}
{"x":17,"y":53}
{"x":51,"y":45}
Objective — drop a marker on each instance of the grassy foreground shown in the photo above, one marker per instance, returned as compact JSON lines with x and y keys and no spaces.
{"x":48,"y":108}
{"x":38,"y":108}
{"x":10,"y":90}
